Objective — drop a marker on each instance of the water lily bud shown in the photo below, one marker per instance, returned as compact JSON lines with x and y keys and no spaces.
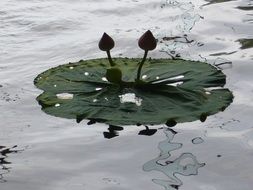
{"x":106,"y":43}
{"x":147,"y":41}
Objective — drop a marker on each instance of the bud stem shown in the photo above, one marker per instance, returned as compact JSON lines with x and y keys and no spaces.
{"x":110,"y":58}
{"x":141,"y":64}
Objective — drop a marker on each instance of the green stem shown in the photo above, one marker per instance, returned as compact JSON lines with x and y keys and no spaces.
{"x":110,"y":58}
{"x":141,"y":64}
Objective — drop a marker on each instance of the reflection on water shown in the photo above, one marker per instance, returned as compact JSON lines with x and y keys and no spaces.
{"x":197,"y":140}
{"x":216,"y":1}
{"x":170,"y":43}
{"x":112,"y":131}
{"x":222,"y":53}
{"x":245,"y":8}
{"x":41,"y":34}
{"x":147,"y":131}
{"x":4,"y":163}
{"x":186,"y":164}
{"x":246,"y":43}
{"x":188,"y":16}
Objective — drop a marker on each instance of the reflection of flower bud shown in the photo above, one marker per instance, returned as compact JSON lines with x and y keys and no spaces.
{"x":203,"y":117}
{"x":147,"y":41}
{"x":106,"y":43}
{"x":171,"y":123}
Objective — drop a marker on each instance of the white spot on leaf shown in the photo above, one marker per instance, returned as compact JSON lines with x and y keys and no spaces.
{"x":144,"y":76}
{"x":175,"y":84}
{"x":97,"y":89}
{"x":104,"y":79}
{"x":130,"y":97}
{"x":65,"y":96}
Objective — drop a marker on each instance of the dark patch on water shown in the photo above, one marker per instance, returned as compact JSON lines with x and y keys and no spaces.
{"x":222,"y":53}
{"x":181,"y":39}
{"x":112,"y":131}
{"x":245,"y":8}
{"x":210,"y":2}
{"x":4,"y":152}
{"x":147,"y":131}
{"x":222,"y":63}
{"x":246,"y":43}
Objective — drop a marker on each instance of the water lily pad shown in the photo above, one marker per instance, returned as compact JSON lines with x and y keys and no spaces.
{"x":172,"y":91}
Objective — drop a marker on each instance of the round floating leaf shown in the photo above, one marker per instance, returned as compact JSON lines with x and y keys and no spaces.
{"x":172,"y":91}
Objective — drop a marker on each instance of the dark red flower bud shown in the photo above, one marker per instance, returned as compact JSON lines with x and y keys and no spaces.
{"x":147,"y":41}
{"x":106,"y":43}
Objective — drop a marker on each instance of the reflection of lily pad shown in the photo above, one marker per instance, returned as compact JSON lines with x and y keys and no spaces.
{"x":81,"y":91}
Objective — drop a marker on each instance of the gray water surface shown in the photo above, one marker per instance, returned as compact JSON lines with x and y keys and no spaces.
{"x":39,"y":151}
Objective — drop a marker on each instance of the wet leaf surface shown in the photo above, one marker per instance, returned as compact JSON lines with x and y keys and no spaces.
{"x":173,"y":90}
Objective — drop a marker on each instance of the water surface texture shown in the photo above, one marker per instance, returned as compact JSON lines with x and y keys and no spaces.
{"x":39,"y":151}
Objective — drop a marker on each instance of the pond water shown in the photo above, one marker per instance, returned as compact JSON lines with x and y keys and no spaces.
{"x":39,"y":151}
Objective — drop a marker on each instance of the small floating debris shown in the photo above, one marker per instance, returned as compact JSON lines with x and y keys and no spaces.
{"x":57,"y":105}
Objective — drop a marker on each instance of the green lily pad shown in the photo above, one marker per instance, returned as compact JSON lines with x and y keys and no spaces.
{"x":172,"y":91}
